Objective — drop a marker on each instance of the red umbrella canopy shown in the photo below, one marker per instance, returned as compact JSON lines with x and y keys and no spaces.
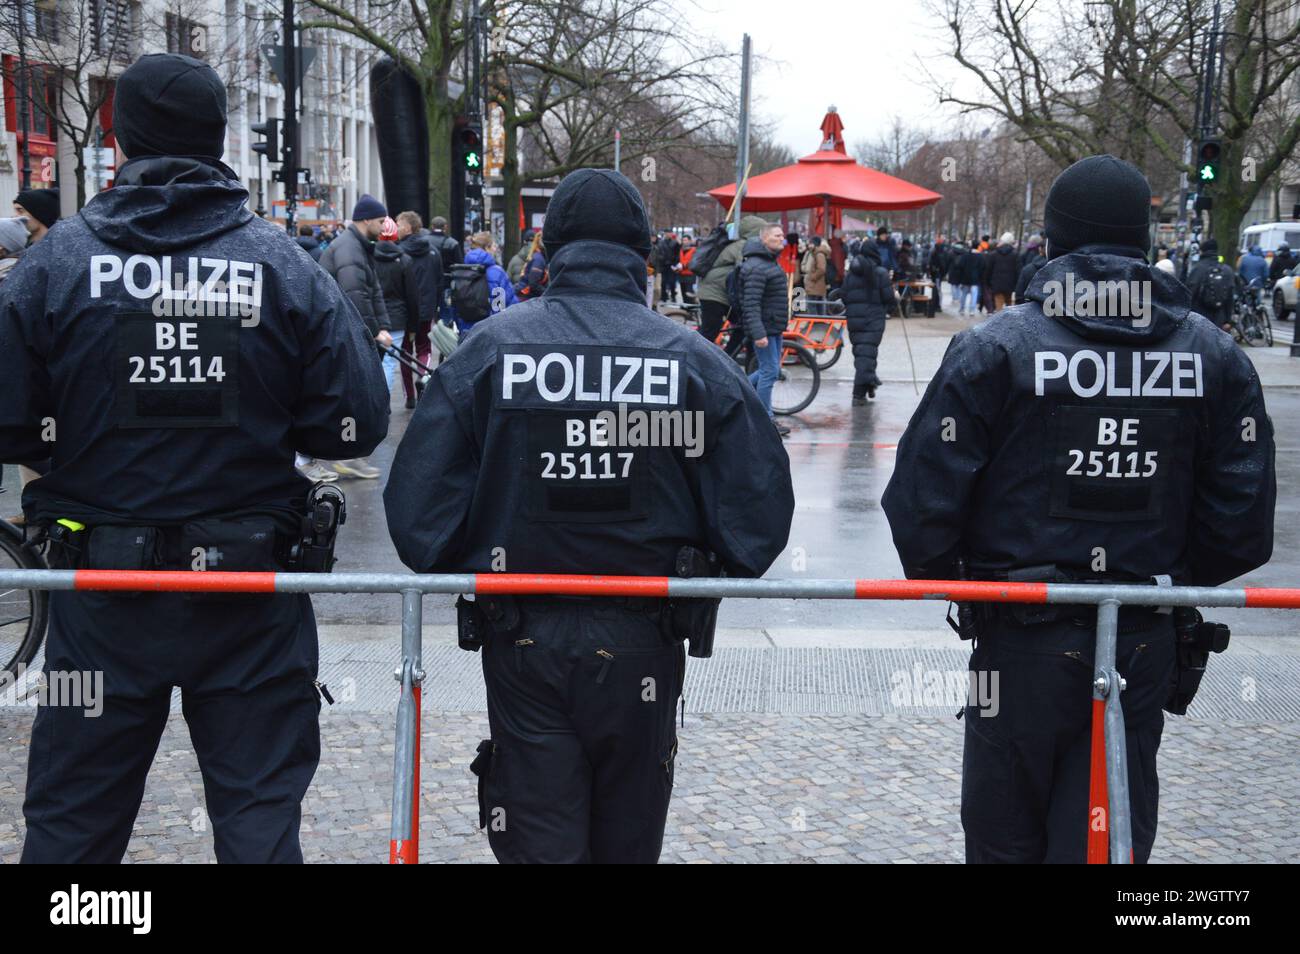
{"x":824,"y":175}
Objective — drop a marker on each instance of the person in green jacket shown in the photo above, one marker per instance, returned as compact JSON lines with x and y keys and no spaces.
{"x":713,"y":286}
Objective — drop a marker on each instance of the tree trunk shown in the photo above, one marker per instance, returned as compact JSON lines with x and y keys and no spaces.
{"x":79,"y":166}
{"x":512,"y":187}
{"x":440,"y":115}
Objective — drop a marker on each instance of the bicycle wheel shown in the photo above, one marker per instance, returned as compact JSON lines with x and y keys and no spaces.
{"x":1265,"y":325}
{"x":823,"y":361}
{"x":798,"y":382}
{"x":1252,"y":334}
{"x":22,"y":612}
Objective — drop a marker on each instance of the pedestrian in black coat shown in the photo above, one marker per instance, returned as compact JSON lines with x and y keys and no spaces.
{"x":868,"y":294}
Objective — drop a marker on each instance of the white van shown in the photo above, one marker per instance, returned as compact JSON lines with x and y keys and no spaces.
{"x":1269,"y":236}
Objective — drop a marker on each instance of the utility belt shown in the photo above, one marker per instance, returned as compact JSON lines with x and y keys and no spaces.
{"x":973,"y":620}
{"x":241,"y":542}
{"x":1194,"y":637}
{"x":693,"y":620}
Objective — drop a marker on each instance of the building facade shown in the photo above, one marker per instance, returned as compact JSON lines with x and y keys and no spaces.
{"x":74,"y":50}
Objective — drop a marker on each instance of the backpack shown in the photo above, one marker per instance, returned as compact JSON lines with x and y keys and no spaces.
{"x":1217,"y":286}
{"x":735,"y":292}
{"x":708,"y":250}
{"x":470,"y":295}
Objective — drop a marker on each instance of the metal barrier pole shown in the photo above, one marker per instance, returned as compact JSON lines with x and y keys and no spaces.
{"x":404,"y":843}
{"x":1107,"y":686}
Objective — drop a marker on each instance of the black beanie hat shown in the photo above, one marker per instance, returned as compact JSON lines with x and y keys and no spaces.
{"x":43,"y":204}
{"x":1100,"y":199}
{"x":596,"y":204}
{"x":166,"y":104}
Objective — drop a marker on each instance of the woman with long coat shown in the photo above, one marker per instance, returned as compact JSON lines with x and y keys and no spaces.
{"x":867,"y":294}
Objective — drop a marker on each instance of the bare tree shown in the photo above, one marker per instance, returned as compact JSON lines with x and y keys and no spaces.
{"x":572,"y":74}
{"x":1122,"y":76}
{"x":426,"y":38}
{"x":72,"y":48}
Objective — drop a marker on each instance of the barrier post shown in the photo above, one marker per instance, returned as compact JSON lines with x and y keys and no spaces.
{"x":404,"y":843}
{"x":1109,"y":785}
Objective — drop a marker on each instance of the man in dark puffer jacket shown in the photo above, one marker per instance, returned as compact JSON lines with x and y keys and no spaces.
{"x":350,"y":263}
{"x":867,"y":294}
{"x":765,"y":309}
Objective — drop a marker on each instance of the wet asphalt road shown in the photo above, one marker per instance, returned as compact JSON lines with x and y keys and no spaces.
{"x":841,"y":458}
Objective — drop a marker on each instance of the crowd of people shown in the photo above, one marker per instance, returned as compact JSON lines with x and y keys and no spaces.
{"x":403,"y":278}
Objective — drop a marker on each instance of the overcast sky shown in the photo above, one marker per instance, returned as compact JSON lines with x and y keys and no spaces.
{"x":861,"y":55}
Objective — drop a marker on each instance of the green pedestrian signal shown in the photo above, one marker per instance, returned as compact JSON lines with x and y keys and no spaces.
{"x":471,"y":148}
{"x":1208,"y":160}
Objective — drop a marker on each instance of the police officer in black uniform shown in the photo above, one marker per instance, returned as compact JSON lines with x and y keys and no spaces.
{"x":531,"y":452}
{"x":177,"y":351}
{"x":1097,"y":432}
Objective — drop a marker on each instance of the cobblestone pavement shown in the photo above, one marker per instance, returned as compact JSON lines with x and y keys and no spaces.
{"x":755,"y":788}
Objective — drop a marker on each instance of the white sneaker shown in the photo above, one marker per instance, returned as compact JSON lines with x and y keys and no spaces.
{"x":316,"y":472}
{"x":356,"y":467}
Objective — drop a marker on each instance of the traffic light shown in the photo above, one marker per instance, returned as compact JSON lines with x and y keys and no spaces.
{"x":1207,"y":161}
{"x":270,"y":131}
{"x":471,"y":149}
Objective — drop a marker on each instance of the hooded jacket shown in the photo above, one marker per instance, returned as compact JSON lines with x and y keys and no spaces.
{"x":1043,"y":438}
{"x":713,"y":286}
{"x":350,"y":261}
{"x":1282,"y":263}
{"x":501,"y":294}
{"x":814,"y":275}
{"x":311,"y":245}
{"x":398,"y":284}
{"x":139,"y":438}
{"x":765,"y":303}
{"x":867,"y":294}
{"x":426,"y":267}
{"x":491,"y":463}
{"x":1253,"y":266}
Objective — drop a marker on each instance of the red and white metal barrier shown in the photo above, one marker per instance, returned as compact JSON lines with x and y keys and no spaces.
{"x":1108,"y":787}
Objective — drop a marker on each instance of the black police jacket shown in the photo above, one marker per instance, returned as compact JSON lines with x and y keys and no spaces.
{"x":154,"y":416}
{"x":1118,"y":447}
{"x":522,"y":454}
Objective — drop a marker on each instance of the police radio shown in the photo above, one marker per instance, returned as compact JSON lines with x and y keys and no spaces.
{"x":313,"y":550}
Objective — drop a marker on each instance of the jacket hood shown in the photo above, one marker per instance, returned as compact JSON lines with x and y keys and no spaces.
{"x":1256,"y":250}
{"x":307,"y":241}
{"x":478,"y":256}
{"x":755,"y":246}
{"x":165,"y":203}
{"x":417,"y":244}
{"x":1006,"y":250}
{"x":387,"y":251}
{"x":751,"y":225}
{"x":593,"y":267}
{"x":869,"y":250}
{"x":1138,"y":303}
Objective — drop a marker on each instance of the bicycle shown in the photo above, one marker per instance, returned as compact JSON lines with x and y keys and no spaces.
{"x":23,"y":613}
{"x":688,"y":313}
{"x":1250,"y":322}
{"x":799,"y":378}
{"x":823,"y":333}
